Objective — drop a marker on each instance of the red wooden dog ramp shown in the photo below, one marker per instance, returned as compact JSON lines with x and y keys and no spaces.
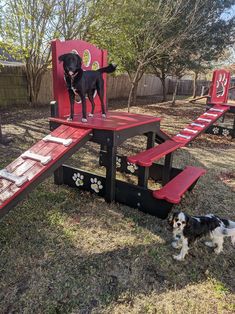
{"x":174,"y":189}
{"x":200,"y":124}
{"x":39,"y":162}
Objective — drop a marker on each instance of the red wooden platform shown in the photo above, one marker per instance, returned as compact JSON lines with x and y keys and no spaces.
{"x":173,"y":190}
{"x":115,"y":121}
{"x":34,"y":170}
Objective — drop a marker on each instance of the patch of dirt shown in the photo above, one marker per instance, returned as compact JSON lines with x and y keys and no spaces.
{"x":228,"y":178}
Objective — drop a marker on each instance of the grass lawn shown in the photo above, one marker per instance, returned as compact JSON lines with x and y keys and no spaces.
{"x":65,"y":251}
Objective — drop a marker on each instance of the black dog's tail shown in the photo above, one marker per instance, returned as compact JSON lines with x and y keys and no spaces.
{"x":109,"y":69}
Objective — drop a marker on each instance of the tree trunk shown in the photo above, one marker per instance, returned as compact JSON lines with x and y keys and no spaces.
{"x":175,"y":92}
{"x":0,"y":130}
{"x":34,"y":79}
{"x":163,"y":80}
{"x":195,"y":84}
{"x":134,"y":86}
{"x":4,"y":139}
{"x":34,"y":88}
{"x":132,"y":95}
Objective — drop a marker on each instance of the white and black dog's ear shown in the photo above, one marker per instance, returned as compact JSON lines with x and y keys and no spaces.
{"x":188,"y":220}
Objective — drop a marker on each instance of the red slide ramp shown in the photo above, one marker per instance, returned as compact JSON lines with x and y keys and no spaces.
{"x":39,"y":162}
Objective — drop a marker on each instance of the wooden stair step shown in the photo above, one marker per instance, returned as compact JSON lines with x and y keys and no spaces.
{"x":147,"y":157}
{"x":174,"y":189}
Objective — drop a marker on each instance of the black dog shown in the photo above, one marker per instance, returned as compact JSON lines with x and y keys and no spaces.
{"x":83,"y":83}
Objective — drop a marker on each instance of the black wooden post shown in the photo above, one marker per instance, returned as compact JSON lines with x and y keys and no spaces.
{"x":103,"y":152}
{"x":151,"y":136}
{"x":54,"y":109}
{"x":143,"y":175}
{"x":233,"y":130}
{"x":58,"y":173}
{"x":111,"y":173}
{"x":143,"y":172}
{"x":167,"y":168}
{"x":59,"y":176}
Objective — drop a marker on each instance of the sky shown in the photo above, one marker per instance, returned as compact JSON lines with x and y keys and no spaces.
{"x":230,"y":13}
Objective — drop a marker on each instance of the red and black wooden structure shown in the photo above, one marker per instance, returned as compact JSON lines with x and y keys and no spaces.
{"x":218,"y":94}
{"x":49,"y":154}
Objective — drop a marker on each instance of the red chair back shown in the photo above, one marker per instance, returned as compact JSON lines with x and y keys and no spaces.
{"x":93,"y":58}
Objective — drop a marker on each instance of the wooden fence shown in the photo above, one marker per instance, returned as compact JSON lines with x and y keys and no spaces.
{"x":46,"y":91}
{"x":13,"y":86}
{"x":119,"y":86}
{"x":185,"y":87}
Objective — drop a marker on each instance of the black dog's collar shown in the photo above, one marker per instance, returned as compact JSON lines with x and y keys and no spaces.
{"x":70,"y":76}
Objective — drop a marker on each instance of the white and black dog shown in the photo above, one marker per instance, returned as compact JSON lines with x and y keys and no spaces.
{"x":187,"y":229}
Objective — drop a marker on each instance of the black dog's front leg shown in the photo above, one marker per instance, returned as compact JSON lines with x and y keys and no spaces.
{"x":72,"y":99}
{"x":83,"y":99}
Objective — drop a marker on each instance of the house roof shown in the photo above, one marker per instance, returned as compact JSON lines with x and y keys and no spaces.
{"x":7,"y":59}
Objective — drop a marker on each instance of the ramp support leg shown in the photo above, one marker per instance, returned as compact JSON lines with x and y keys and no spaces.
{"x":59,"y":176}
{"x":143,"y":175}
{"x":151,"y":136}
{"x":233,"y":130}
{"x":54,"y":109}
{"x":167,"y":168}
{"x":111,"y":173}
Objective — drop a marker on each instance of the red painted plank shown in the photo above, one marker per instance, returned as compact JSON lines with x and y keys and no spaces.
{"x":34,"y":169}
{"x":115,"y":121}
{"x":45,"y":150}
{"x":147,"y":157}
{"x":57,"y":132}
{"x":173,"y":190}
{"x":20,"y":165}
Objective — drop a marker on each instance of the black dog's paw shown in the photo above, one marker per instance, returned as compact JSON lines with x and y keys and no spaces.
{"x":90,"y":115}
{"x":84,"y":120}
{"x":69,"y":118}
{"x":103,"y":115}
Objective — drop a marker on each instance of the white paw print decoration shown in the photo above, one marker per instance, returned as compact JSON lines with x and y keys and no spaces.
{"x":131,"y":167}
{"x":118,"y":162}
{"x":215,"y":130}
{"x":225,"y":132}
{"x":96,"y":185}
{"x":78,"y":178}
